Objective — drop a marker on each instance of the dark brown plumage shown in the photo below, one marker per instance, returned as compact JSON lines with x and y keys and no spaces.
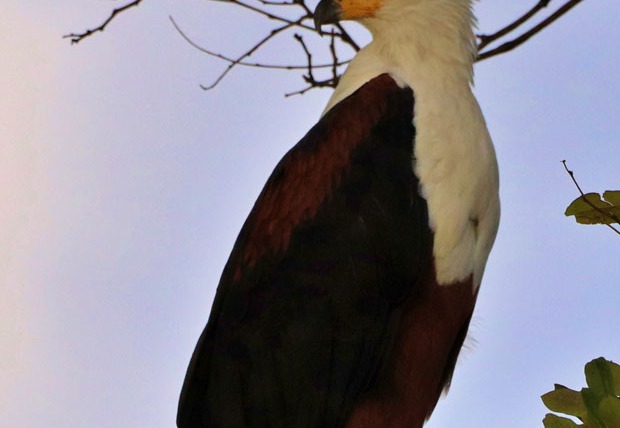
{"x":327,"y":314}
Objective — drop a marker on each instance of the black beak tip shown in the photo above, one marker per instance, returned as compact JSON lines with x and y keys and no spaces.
{"x":326,"y":12}
{"x":318,"y":25}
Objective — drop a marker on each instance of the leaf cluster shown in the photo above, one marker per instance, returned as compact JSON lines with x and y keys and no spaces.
{"x":591,"y":209}
{"x":596,"y":406}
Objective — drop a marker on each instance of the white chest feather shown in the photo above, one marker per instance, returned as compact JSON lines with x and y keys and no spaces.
{"x":453,"y":153}
{"x":455,"y":162}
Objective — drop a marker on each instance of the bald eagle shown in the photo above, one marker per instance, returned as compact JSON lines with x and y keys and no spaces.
{"x":350,"y":288}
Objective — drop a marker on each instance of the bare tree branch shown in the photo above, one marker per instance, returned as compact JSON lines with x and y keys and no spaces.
{"x":308,"y":15}
{"x":278,"y":3}
{"x":508,"y":46}
{"x":345,"y":36}
{"x":309,"y":78}
{"x":78,"y":37}
{"x":297,"y":15}
{"x":332,"y":50}
{"x":269,"y":15}
{"x":249,"y":64}
{"x":233,"y":62}
{"x":274,"y":32}
{"x":487,"y":39}
{"x":583,"y":198}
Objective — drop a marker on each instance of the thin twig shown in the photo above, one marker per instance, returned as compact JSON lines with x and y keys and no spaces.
{"x":245,"y":63}
{"x":249,"y":52}
{"x":488,"y":39}
{"x":279,"y":3}
{"x":309,"y":15}
{"x":309,"y":78}
{"x":303,"y":21}
{"x":78,"y":37}
{"x":583,"y":198}
{"x":508,"y":46}
{"x":297,"y":22}
{"x":332,"y":50}
{"x":344,"y":35}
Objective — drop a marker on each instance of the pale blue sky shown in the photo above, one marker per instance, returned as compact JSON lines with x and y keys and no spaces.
{"x":123,"y":186}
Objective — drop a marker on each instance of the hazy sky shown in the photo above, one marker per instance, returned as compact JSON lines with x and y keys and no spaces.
{"x":123,"y":186}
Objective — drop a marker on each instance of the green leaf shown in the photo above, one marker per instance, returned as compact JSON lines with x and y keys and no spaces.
{"x":615,"y":374}
{"x":599,"y":377}
{"x":565,"y":400}
{"x":609,"y":411}
{"x":591,"y":400}
{"x":554,"y":421}
{"x":612,"y":196}
{"x":585,"y":214}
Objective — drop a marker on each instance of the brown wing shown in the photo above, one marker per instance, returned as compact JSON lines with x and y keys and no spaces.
{"x":307,"y":308}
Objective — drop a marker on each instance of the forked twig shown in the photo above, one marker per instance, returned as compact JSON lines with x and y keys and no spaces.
{"x":488,"y":39}
{"x":309,"y":78}
{"x":233,"y":62}
{"x":265,"y":8}
{"x":518,"y":41}
{"x":78,"y":37}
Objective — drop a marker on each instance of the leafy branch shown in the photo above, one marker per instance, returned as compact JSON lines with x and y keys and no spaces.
{"x":295,"y":15}
{"x":589,"y":208}
{"x":596,"y":406}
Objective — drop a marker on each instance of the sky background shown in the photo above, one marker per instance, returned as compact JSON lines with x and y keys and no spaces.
{"x":123,"y":186}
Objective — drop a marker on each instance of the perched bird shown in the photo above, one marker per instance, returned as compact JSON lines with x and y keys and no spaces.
{"x":349,"y":291}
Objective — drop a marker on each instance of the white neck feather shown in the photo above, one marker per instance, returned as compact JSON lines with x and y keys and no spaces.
{"x":429,"y":46}
{"x":419,"y":37}
{"x":427,"y":31}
